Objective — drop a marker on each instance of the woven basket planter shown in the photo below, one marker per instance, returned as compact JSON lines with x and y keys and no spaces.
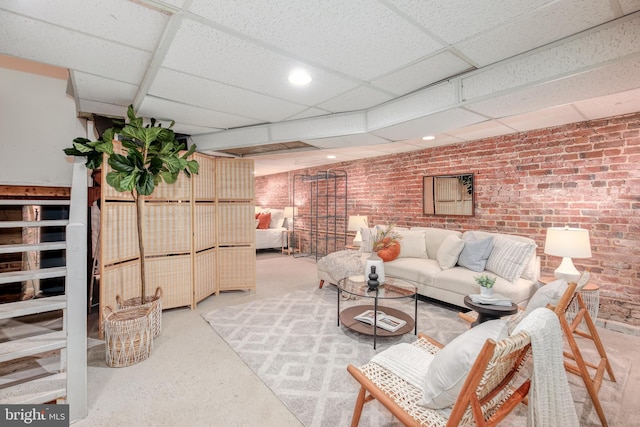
{"x":155,"y":302}
{"x":128,"y":338}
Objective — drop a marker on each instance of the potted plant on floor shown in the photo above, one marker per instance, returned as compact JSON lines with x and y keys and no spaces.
{"x":153,"y":155}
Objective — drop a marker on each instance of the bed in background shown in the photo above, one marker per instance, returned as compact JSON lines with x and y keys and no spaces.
{"x":270,"y":228}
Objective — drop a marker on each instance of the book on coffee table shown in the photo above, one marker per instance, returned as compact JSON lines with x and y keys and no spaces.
{"x":495,"y":299}
{"x":384,"y":321}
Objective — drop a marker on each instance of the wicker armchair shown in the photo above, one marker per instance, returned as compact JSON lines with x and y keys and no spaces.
{"x":487,"y":396}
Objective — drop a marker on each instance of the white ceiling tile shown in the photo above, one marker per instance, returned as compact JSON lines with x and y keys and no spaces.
{"x":94,"y":87}
{"x":209,"y":53}
{"x":117,"y":21}
{"x":610,"y":105}
{"x":432,"y":124}
{"x":216,"y":96}
{"x":308,"y":113}
{"x":455,"y":20}
{"x":544,"y":118}
{"x":257,"y":135}
{"x":23,"y":38}
{"x":359,"y":98}
{"x":383,"y":40}
{"x":346,"y":141}
{"x":163,"y":109}
{"x":616,"y":77}
{"x":629,"y":6}
{"x":423,"y":73}
{"x":599,"y":47}
{"x":545,"y":25}
{"x":481,"y":130}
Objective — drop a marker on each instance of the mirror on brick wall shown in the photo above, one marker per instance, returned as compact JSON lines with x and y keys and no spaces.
{"x":448,"y":195}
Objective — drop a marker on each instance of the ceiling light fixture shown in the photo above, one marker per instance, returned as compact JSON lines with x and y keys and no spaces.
{"x":428,"y":138}
{"x":299,"y":77}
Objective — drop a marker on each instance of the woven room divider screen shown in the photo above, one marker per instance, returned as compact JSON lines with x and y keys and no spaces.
{"x":199,"y":236}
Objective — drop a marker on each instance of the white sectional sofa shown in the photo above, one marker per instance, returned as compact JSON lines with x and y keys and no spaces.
{"x":442,"y":263}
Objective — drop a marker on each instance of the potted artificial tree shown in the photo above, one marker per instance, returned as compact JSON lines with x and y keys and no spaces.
{"x":153,"y":155}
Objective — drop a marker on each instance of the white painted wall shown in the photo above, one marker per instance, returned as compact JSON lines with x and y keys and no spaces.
{"x":37,"y":120}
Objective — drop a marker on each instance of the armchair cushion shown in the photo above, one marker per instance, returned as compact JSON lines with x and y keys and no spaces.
{"x":451,"y":365}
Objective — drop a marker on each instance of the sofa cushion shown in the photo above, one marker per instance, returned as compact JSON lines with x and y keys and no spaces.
{"x":413,"y":244}
{"x":450,"y":367}
{"x":475,"y":253}
{"x":530,"y":271}
{"x":434,"y":238}
{"x":449,"y":251}
{"x":509,"y":257}
{"x":368,"y":236}
{"x":417,"y":270}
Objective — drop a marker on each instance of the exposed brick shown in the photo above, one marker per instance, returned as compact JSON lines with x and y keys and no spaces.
{"x":581,"y":174}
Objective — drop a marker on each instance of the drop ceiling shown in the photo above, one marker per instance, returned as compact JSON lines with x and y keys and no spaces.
{"x":385,"y":72}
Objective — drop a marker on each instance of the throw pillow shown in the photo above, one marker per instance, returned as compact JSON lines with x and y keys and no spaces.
{"x":390,"y":252}
{"x":451,"y":365}
{"x":509,"y":257}
{"x":449,"y":251}
{"x":475,"y":253}
{"x":545,"y":295}
{"x":263,"y":221}
{"x":413,"y":244}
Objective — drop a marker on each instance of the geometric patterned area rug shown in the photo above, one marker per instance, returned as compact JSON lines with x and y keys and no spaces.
{"x":295,"y":347}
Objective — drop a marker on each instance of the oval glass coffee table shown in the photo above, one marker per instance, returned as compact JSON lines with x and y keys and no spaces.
{"x":391,"y":289}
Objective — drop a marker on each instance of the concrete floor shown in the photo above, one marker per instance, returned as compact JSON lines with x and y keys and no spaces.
{"x":193,"y":378}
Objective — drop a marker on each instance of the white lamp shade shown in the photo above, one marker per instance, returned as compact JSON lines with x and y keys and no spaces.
{"x":356,"y":222}
{"x":290,"y":211}
{"x":567,"y":243}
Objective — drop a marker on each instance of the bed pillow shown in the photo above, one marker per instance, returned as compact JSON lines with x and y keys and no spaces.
{"x":277,"y":218}
{"x":449,"y":251}
{"x":475,"y":253}
{"x":509,"y":257}
{"x":263,"y":221}
{"x":451,"y":365}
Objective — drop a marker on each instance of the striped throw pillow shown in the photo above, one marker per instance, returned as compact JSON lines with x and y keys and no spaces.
{"x":509,"y":257}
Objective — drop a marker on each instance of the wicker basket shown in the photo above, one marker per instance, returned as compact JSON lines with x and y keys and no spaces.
{"x":128,"y":338}
{"x":155,"y":302}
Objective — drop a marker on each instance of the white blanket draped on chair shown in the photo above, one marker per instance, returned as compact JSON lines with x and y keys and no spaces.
{"x":550,"y":401}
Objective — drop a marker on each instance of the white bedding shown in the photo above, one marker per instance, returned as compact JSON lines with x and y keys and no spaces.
{"x":270,"y":238}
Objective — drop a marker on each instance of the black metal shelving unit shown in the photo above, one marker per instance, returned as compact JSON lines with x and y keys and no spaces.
{"x":321,"y":224}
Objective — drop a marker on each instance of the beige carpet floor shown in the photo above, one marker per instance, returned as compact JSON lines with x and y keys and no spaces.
{"x":194,"y":378}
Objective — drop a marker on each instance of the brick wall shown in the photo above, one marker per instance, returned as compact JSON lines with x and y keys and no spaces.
{"x":584,"y":175}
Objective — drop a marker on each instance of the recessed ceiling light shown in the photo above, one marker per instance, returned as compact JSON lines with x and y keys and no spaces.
{"x":428,"y":138}
{"x":299,"y":77}
{"x":331,"y":156}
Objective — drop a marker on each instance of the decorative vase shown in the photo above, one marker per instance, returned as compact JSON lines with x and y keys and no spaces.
{"x":373,"y":279}
{"x":375,"y":260}
{"x":486,"y":292}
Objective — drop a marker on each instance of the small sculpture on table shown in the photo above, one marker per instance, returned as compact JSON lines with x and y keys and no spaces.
{"x":373,"y":282}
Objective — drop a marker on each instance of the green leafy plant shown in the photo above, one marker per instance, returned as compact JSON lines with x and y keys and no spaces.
{"x":153,"y":155}
{"x":485,"y":281}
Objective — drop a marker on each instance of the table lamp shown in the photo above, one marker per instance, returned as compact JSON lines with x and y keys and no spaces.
{"x":567,"y":243}
{"x":356,"y":222}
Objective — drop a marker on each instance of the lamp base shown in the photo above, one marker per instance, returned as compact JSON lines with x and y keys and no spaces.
{"x":567,"y":271}
{"x":357,"y":241}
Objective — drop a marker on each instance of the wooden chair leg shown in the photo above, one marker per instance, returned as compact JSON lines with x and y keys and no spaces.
{"x":357,"y":410}
{"x":321,"y":284}
{"x":594,"y":336}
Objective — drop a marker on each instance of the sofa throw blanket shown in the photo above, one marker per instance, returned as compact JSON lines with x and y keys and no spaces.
{"x":343,"y":264}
